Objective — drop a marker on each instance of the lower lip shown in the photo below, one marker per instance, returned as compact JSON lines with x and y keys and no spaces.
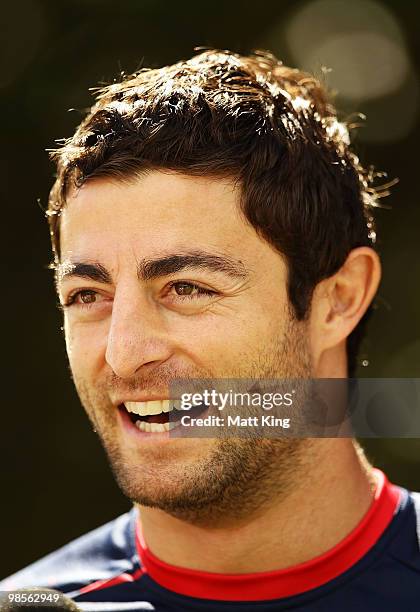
{"x":132,"y":430}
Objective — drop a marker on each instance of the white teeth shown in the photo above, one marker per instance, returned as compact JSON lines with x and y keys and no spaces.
{"x":142,"y":425}
{"x":149,"y":408}
{"x":155,"y":427}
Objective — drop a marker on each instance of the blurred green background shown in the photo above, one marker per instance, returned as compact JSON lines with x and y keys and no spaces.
{"x":55,"y":480}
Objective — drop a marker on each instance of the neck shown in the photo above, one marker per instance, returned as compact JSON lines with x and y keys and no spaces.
{"x":319,"y":511}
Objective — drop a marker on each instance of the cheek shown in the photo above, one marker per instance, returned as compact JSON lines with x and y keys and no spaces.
{"x":85,"y":348}
{"x":225,"y":340}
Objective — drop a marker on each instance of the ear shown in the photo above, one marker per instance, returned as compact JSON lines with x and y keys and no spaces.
{"x":338,"y":304}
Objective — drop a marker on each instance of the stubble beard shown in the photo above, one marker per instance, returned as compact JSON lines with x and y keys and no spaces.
{"x":237,"y":477}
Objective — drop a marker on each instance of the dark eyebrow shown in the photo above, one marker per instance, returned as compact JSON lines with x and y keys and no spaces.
{"x":149,"y":269}
{"x":93,"y":271}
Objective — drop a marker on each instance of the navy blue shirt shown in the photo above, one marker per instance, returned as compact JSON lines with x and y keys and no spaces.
{"x":376,"y":568}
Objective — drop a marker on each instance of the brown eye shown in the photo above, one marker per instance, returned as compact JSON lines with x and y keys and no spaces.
{"x":84,"y":299}
{"x":184,"y":288}
{"x":87,"y":297}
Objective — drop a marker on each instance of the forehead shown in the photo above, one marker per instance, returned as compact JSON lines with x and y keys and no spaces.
{"x":155,"y":212}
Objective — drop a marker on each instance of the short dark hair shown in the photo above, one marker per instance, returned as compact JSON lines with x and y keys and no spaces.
{"x":272,"y":128}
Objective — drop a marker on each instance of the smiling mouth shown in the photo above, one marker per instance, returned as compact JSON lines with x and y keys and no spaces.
{"x":157,"y":416}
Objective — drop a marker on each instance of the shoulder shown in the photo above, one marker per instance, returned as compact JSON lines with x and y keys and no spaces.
{"x":404,"y":532}
{"x":100,"y":554}
{"x":415,"y":499}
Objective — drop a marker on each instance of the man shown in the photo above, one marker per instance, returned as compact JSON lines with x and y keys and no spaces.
{"x":209,"y":221}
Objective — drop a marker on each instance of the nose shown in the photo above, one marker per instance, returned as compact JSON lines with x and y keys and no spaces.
{"x":137,"y":338}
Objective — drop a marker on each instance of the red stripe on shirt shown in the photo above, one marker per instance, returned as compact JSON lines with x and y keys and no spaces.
{"x":286,"y":582}
{"x":110,"y":582}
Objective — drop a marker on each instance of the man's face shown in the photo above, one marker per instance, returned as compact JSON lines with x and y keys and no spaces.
{"x":181,"y":286}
